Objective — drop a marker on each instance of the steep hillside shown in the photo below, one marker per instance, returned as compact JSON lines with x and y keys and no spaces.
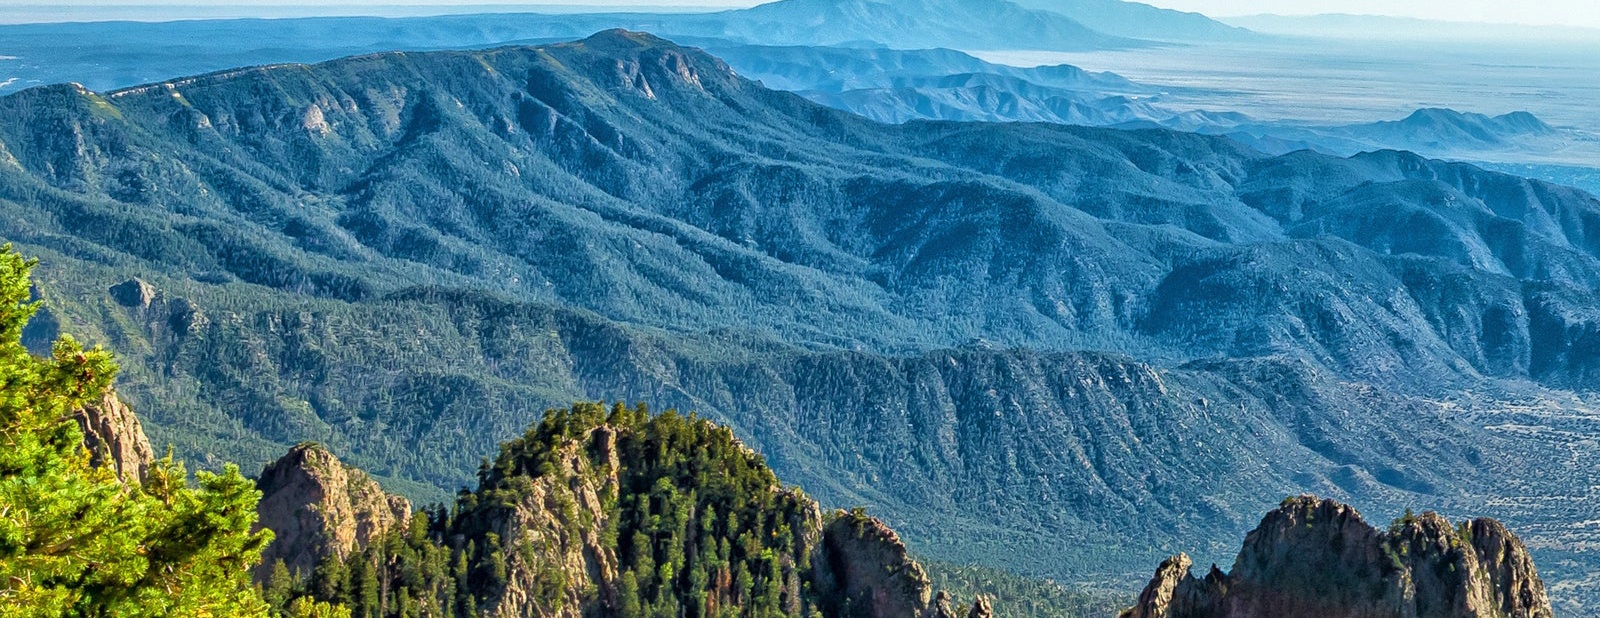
{"x":1021,"y":343}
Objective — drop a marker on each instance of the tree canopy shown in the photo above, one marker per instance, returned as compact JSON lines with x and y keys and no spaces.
{"x":77,"y":541}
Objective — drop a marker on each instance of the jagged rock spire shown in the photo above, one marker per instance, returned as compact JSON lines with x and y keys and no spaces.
{"x":1313,"y":558}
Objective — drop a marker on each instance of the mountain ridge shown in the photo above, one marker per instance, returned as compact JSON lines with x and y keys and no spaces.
{"x":650,"y":226}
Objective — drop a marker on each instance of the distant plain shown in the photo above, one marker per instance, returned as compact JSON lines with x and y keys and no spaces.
{"x":1340,"y":81}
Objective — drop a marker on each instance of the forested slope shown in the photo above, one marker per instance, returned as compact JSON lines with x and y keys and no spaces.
{"x":1021,"y":343}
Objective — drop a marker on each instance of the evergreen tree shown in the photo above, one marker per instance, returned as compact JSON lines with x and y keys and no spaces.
{"x":74,"y":539}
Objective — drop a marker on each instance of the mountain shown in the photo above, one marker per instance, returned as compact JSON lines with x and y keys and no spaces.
{"x":1446,"y":129}
{"x":106,"y":55}
{"x":838,"y":69}
{"x":113,"y":436}
{"x":620,"y":513}
{"x":1022,"y":344}
{"x":917,"y":24}
{"x":980,"y":96}
{"x":318,"y":509}
{"x":1512,"y":137}
{"x":896,"y":86}
{"x":1136,"y":20}
{"x":1315,"y":557}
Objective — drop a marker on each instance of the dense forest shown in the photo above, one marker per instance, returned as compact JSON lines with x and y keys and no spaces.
{"x":696,"y":523}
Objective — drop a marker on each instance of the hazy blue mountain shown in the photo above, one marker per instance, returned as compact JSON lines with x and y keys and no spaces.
{"x":940,"y":84}
{"x":1513,"y":138}
{"x":108,"y":55}
{"x":1024,"y":343}
{"x":981,"y":96}
{"x":838,"y":69}
{"x":1142,"y":21}
{"x":917,"y":24}
{"x":1446,"y":129}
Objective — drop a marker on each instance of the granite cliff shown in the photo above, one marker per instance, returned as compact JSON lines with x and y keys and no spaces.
{"x":317,"y":507}
{"x":1318,"y":558}
{"x":114,"y":437}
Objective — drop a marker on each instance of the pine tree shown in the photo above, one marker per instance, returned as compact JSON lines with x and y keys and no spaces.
{"x":75,"y":540}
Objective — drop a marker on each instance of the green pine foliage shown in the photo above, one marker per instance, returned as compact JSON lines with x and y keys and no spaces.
{"x":75,"y":540}
{"x":698,"y":523}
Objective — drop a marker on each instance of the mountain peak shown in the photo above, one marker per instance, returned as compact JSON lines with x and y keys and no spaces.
{"x":319,"y":507}
{"x":619,"y":39}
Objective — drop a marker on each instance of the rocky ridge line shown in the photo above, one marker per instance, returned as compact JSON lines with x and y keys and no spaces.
{"x":1314,"y":558}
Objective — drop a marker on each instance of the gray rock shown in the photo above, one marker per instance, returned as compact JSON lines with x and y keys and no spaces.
{"x":133,"y":293}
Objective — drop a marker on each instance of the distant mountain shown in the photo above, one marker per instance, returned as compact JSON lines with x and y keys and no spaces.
{"x":1141,"y":21}
{"x":109,"y":55}
{"x":1512,"y":137}
{"x":980,"y":96}
{"x":1382,"y":27}
{"x":1024,"y":344}
{"x":838,"y":69}
{"x":1445,"y":129}
{"x":903,"y":85}
{"x":916,"y":24}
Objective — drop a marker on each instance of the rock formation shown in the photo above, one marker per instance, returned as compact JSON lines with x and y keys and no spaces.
{"x":867,"y":571}
{"x":561,"y":517}
{"x":592,"y":513}
{"x":114,"y":437}
{"x":316,"y":506}
{"x":1315,"y":558}
{"x":981,"y":608}
{"x":133,"y":293}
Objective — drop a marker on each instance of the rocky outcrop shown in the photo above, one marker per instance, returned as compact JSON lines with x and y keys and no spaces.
{"x":866,"y":571}
{"x":558,"y":522}
{"x":597,"y":513}
{"x":316,"y":507}
{"x":981,"y":608}
{"x":1315,"y":558}
{"x":133,"y":293}
{"x":114,"y":437}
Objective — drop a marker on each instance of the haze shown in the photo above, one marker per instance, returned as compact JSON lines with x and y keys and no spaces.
{"x":1584,"y":13}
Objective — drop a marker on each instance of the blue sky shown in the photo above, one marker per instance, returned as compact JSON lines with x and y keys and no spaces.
{"x":1542,"y":12}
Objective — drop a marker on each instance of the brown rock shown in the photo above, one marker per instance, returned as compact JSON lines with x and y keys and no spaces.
{"x":1318,"y":558}
{"x":981,"y":608}
{"x":114,"y":437}
{"x":867,"y":571}
{"x":1516,"y":588}
{"x":318,"y":507}
{"x":1156,"y":599}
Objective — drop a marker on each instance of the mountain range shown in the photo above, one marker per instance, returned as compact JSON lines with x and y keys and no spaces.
{"x":1142,"y":21}
{"x":115,"y":54}
{"x":1023,"y":344}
